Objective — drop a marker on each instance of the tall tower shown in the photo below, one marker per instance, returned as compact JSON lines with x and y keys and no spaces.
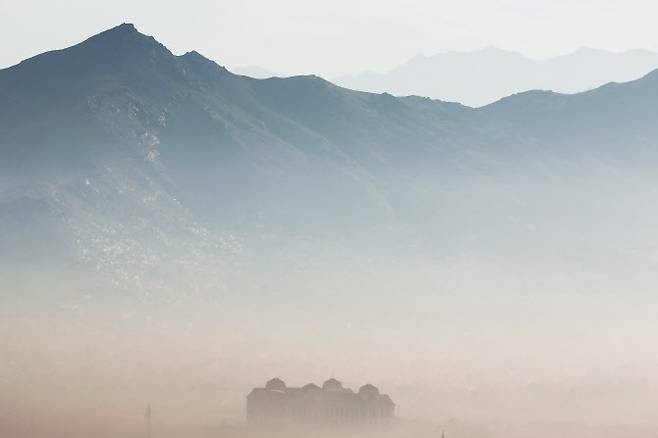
{"x":147,"y":416}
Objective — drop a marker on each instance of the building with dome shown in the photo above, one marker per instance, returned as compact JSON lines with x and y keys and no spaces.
{"x":312,"y":404}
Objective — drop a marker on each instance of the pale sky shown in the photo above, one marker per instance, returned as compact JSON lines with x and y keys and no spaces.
{"x":335,"y":37}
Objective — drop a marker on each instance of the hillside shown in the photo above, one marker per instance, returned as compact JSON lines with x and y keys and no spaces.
{"x":119,"y":155}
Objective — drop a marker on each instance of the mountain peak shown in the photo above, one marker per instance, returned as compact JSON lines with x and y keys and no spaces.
{"x":195,"y":55}
{"x":119,"y":49}
{"x":123,"y":42}
{"x":123,"y":27}
{"x":122,"y":32}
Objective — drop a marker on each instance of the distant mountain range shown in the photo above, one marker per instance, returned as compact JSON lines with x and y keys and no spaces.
{"x":256,"y":72}
{"x":120,"y":156}
{"x":481,"y":77}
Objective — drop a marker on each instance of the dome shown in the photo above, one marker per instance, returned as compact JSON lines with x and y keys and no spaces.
{"x":368,"y":391}
{"x":275,"y":384}
{"x":311,"y":387}
{"x":332,"y":385}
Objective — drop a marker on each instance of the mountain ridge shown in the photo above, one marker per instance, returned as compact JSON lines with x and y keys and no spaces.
{"x":135,"y":158}
{"x":480,"y":77}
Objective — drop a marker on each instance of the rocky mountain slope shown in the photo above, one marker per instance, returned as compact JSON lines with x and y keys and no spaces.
{"x":121,"y":156}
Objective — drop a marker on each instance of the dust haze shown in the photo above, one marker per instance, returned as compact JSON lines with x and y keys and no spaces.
{"x":476,"y":350}
{"x":173,"y":235}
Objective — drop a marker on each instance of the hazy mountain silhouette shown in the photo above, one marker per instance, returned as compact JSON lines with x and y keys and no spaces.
{"x":118,"y":154}
{"x":484,"y":76}
{"x":256,"y":72}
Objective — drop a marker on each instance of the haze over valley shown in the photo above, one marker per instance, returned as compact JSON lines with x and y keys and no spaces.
{"x":174,"y":233}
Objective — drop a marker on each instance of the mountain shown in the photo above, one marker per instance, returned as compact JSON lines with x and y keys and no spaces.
{"x":121,"y":157}
{"x":171,"y":232}
{"x":481,"y":77}
{"x":256,"y":72}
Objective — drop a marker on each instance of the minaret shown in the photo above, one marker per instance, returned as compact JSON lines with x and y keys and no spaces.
{"x":148,"y":420}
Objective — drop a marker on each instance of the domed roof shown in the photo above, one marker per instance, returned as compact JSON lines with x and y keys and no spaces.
{"x":369,"y":390}
{"x":310,"y":387}
{"x":275,"y":384}
{"x":332,"y":385}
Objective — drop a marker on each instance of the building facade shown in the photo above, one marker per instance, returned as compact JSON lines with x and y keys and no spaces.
{"x":311,"y":404}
